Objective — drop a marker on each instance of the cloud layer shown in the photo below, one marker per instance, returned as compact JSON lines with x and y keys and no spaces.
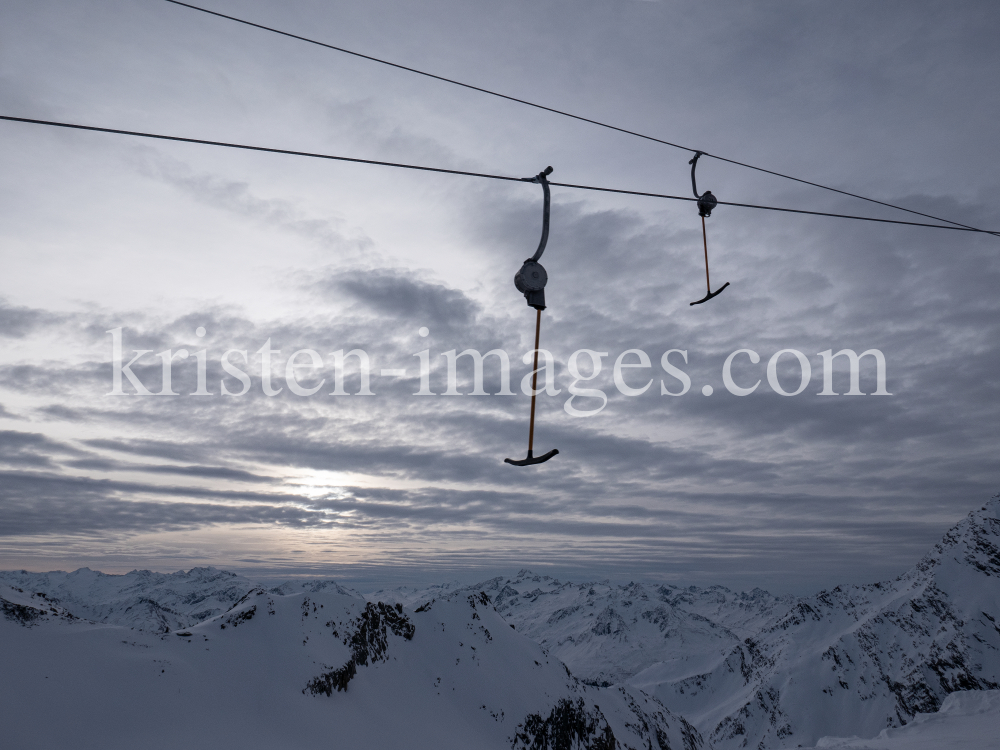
{"x":790,"y":493}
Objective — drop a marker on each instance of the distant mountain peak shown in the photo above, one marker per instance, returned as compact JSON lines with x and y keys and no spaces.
{"x":973,"y":541}
{"x":857,"y":659}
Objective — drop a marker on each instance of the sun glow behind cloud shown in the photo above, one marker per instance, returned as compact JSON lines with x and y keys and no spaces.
{"x":101,"y":233}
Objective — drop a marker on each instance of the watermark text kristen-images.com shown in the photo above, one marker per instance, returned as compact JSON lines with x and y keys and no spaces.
{"x":633,"y":373}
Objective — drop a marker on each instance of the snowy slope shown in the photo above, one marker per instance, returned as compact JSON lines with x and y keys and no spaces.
{"x":607,"y":633}
{"x":747,"y":669}
{"x":753,"y":670}
{"x":858,"y":659}
{"x":305,"y":670}
{"x":968,"y":720}
{"x":159,"y":602}
{"x":414,"y":596}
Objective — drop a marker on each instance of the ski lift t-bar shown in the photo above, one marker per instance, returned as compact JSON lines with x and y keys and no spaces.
{"x":530,"y":281}
{"x":706,"y":202}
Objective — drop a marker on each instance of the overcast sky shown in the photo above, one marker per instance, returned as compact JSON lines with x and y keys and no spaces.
{"x":893,"y":100}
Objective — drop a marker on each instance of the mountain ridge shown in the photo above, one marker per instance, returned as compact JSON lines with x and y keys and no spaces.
{"x":862,"y":658}
{"x":747,"y":669}
{"x":302,"y":669}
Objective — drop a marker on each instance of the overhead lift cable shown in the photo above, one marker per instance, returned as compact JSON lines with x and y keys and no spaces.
{"x":702,"y":152}
{"x":619,"y":191}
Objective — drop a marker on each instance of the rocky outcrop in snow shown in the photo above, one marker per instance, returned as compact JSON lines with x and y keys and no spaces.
{"x":29,"y":609}
{"x":368,"y":638}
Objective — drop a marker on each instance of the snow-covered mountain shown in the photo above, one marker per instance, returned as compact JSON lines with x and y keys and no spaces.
{"x":747,"y":669}
{"x":753,"y":670}
{"x":857,"y":659}
{"x":159,"y":602}
{"x":607,"y":633}
{"x":305,"y":670}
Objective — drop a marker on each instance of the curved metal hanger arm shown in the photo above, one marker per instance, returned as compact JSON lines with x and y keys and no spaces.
{"x":706,"y":201}
{"x":541,"y":178}
{"x":694,"y":165}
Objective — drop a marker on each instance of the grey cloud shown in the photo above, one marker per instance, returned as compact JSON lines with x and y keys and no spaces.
{"x":383,"y":128}
{"x":201,"y":472}
{"x":31,"y":449}
{"x":18,"y":322}
{"x":7,"y":414}
{"x":238,"y":197}
{"x":47,"y":504}
{"x":51,"y":378}
{"x":154,"y":448}
{"x":832,"y":484}
{"x":63,"y":413}
{"x":399,"y":294}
